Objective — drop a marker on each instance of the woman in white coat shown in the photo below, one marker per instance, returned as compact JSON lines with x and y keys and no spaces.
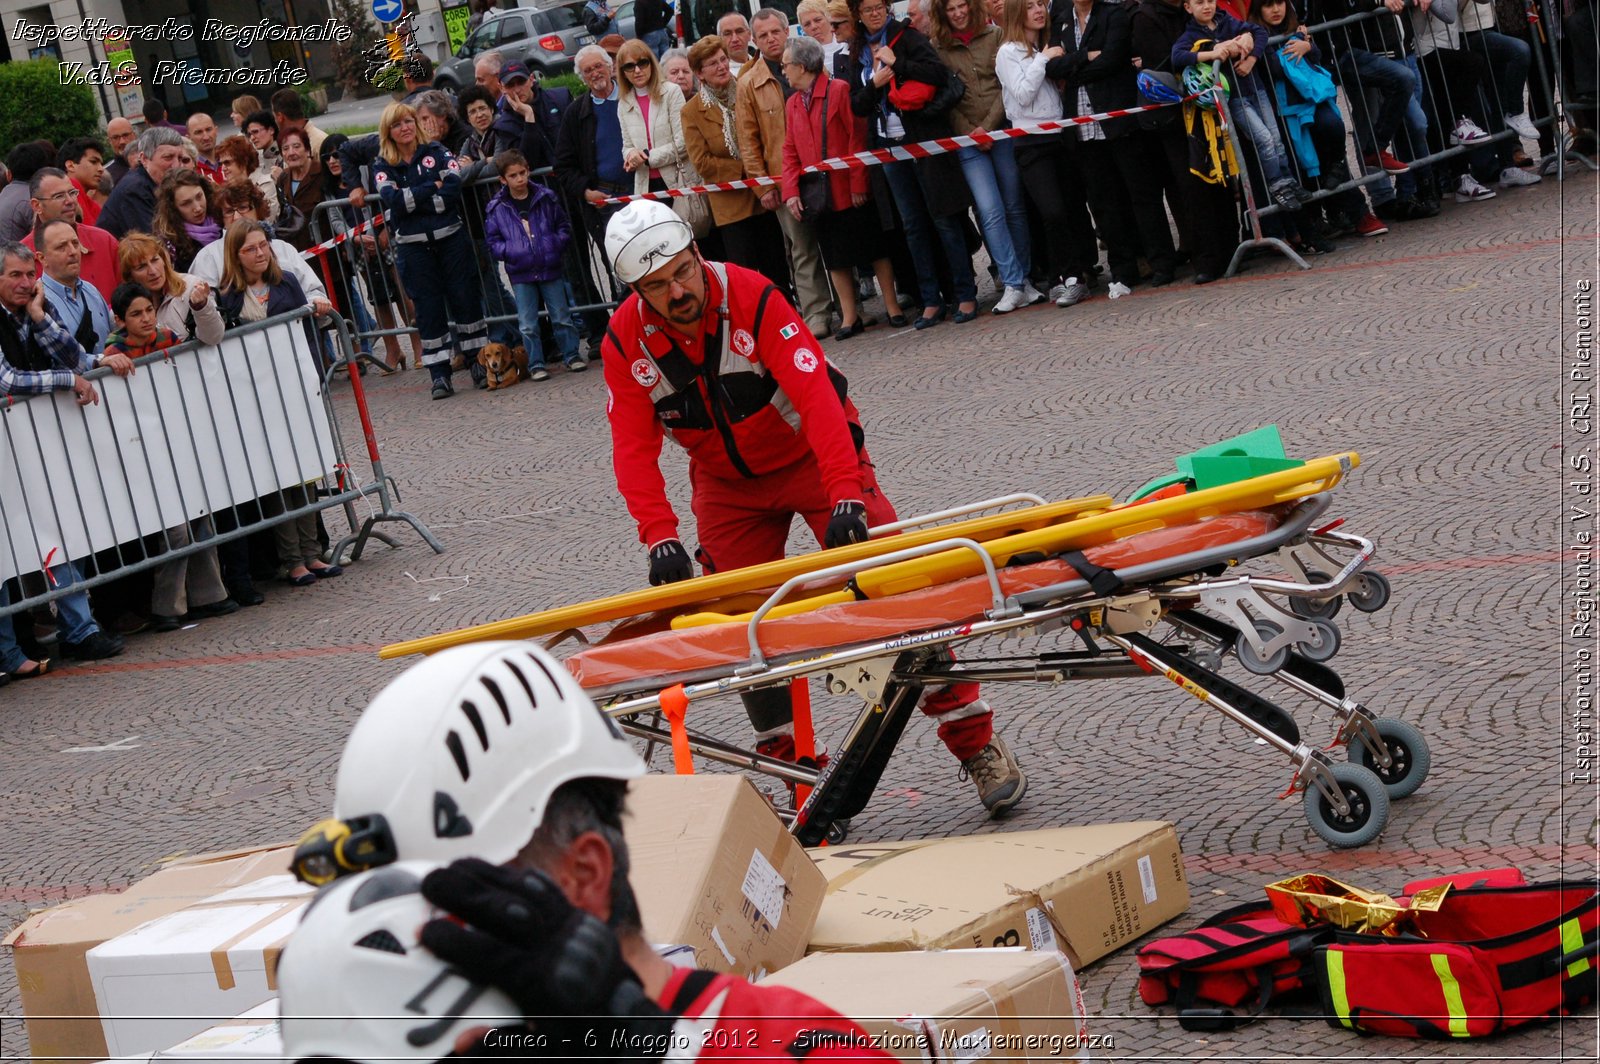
{"x":650,"y":111}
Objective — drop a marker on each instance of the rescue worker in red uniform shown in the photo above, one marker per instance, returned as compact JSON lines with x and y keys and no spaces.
{"x":712,"y":354}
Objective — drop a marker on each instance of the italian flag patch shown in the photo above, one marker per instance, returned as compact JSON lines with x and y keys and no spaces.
{"x":789,"y":332}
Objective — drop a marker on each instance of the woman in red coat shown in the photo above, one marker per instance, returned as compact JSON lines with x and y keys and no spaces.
{"x":848,"y":230}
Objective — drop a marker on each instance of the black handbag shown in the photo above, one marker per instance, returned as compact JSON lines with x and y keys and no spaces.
{"x":814,"y":187}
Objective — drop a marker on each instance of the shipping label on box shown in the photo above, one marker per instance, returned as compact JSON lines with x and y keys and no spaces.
{"x":953,"y":1007}
{"x":1084,"y":890}
{"x":714,"y":869}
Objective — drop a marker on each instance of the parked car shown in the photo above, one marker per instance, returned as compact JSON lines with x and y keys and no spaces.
{"x":698,"y":18}
{"x":544,"y":36}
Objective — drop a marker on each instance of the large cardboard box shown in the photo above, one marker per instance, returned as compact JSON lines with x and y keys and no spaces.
{"x":963,"y":1005}
{"x":252,"y":1036}
{"x":1084,"y":890}
{"x":715,"y":869}
{"x":176,"y":975}
{"x":49,"y":949}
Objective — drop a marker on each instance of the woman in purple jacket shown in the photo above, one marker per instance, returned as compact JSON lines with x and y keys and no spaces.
{"x":528,"y":231}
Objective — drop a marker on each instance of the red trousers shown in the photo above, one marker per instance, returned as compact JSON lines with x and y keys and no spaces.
{"x":746,"y":522}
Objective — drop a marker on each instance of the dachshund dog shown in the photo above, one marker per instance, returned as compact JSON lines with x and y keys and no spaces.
{"x":505,"y":365}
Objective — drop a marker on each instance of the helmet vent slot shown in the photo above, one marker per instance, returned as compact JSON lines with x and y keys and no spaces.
{"x":382,"y":940}
{"x":457,"y":751}
{"x":523,"y":680}
{"x":470,"y":711}
{"x":499,"y":699}
{"x":544,"y":669}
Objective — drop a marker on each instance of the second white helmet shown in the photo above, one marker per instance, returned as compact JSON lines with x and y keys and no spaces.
{"x":642,"y":237}
{"x":461,"y":753}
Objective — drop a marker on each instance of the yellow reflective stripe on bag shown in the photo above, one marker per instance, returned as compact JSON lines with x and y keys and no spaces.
{"x":1336,"y":989}
{"x":1452,"y":996}
{"x":1572,"y":942}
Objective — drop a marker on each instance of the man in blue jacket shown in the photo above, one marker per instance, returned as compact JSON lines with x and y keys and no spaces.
{"x":528,"y":118}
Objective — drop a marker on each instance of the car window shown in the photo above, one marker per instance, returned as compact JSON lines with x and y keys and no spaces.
{"x":482,"y":38}
{"x":513,"y":29}
{"x":564,"y":17}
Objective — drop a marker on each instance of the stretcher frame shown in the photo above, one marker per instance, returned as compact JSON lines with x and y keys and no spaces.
{"x":1347,"y":803}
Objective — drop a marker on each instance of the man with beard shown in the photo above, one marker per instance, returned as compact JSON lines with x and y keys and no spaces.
{"x":712,"y":353}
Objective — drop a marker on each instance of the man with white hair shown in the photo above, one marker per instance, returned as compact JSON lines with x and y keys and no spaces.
{"x":759,"y":118}
{"x":588,"y":159}
{"x":133,"y":202}
{"x":486,"y":72}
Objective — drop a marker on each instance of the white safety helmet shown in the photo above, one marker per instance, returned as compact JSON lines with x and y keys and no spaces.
{"x":461,"y":753}
{"x":354,"y":981}
{"x":642,"y":236}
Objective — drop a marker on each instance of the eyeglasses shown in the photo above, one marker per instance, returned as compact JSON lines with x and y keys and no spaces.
{"x":876,"y":9}
{"x":841,"y":22}
{"x":680,"y":277}
{"x":62,"y":197}
{"x":637,"y":64}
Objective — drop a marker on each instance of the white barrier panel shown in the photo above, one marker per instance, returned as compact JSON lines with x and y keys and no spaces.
{"x":210,"y":428}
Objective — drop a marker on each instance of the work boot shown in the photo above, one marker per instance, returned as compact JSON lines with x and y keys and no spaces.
{"x":1000,"y":780}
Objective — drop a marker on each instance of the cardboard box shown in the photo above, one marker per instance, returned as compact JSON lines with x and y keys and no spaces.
{"x":715,"y":870}
{"x":49,"y":950}
{"x":174,"y":976}
{"x":1085,"y":890}
{"x":252,"y":1036}
{"x":964,"y":1005}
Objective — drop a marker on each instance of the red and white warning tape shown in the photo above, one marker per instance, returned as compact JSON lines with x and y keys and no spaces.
{"x":340,"y":238}
{"x":902,"y":153}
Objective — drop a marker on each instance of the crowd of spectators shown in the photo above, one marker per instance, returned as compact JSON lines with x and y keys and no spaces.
{"x":114,"y":248}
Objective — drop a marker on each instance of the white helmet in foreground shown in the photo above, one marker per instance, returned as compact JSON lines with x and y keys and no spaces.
{"x":354,"y":981}
{"x":642,"y":237}
{"x":460,"y":753}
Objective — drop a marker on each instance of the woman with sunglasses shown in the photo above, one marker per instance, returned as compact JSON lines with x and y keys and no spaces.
{"x":650,"y":110}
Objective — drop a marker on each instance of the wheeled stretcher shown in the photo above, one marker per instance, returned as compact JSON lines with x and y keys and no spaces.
{"x":1158,"y":587}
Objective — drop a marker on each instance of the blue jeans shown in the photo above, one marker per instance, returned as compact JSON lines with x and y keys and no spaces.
{"x":996,"y":186}
{"x":1393,"y":81}
{"x":921,"y":227}
{"x":497,"y":302}
{"x":1509,"y":59}
{"x":550,"y":296}
{"x":658,"y":40}
{"x":76,"y":622}
{"x":1253,"y":114}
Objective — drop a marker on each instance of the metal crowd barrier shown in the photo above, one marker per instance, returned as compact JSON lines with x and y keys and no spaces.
{"x":244,"y":435}
{"x":1443,"y":95}
{"x":365,"y":287}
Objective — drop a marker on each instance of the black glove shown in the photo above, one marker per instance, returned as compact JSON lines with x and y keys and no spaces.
{"x":847,"y":525}
{"x":669,"y":563}
{"x":561,"y":965}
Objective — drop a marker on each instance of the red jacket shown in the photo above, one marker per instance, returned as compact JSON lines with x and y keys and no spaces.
{"x":739,"y":1021}
{"x":760,"y":419}
{"x":802,"y":144}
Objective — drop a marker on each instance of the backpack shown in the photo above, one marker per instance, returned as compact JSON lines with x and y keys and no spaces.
{"x":1499,"y":953}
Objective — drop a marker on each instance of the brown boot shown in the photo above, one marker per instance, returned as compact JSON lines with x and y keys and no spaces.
{"x":1000,"y":780}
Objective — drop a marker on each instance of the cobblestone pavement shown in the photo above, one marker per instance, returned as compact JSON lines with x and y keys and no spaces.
{"x":1433,"y":351}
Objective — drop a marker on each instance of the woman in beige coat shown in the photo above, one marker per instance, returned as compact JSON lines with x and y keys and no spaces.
{"x":650,"y":109}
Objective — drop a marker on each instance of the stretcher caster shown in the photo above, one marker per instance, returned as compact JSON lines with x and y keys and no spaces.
{"x":1409,"y":757}
{"x":1371,"y":592}
{"x":838,"y":831}
{"x":1369,"y":807}
{"x":1252,"y":660}
{"x":1324,"y":643}
{"x":1316,"y":609}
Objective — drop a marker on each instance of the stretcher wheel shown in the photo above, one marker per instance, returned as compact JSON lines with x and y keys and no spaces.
{"x":1371,"y":593}
{"x":1252,"y":660}
{"x":838,"y":831}
{"x":1316,"y":609}
{"x":1369,"y":807}
{"x":1323,"y":644}
{"x":1408,"y":752}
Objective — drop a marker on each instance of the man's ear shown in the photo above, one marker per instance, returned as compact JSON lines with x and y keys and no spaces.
{"x":584,"y":874}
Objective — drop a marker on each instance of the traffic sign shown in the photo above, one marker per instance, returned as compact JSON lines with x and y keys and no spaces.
{"x":388,"y":10}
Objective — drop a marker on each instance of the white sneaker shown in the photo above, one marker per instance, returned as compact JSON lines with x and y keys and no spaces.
{"x":1071,"y":293}
{"x":1469,"y":191}
{"x":1032,"y":294}
{"x":1118,"y":290}
{"x":1467,"y":132}
{"x":1524,"y":128}
{"x":1010,"y":300}
{"x":1517,"y":177}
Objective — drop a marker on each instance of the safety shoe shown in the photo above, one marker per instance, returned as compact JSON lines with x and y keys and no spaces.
{"x":442,"y":390}
{"x":1000,"y":780}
